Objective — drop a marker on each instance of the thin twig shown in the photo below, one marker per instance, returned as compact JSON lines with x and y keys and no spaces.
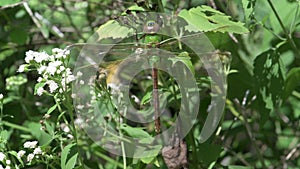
{"x":36,"y":22}
{"x":251,"y":136}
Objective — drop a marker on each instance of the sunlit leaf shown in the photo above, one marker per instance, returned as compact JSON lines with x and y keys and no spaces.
{"x":205,"y":18}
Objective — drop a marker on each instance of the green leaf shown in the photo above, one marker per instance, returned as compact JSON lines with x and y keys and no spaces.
{"x":184,"y":58}
{"x":71,"y":163}
{"x":135,"y":132}
{"x":64,"y":155}
{"x":248,"y":8}
{"x":205,"y":18}
{"x":212,"y":152}
{"x":18,"y":36}
{"x":8,"y":2}
{"x":269,"y":82}
{"x":239,"y":167}
{"x":292,"y":82}
{"x":52,"y":109}
{"x":147,"y":98}
{"x":112,"y":29}
{"x":43,"y":137}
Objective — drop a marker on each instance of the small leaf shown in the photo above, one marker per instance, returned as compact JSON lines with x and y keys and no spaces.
{"x":135,"y":132}
{"x":184,"y":58}
{"x":52,"y":109}
{"x":205,"y":18}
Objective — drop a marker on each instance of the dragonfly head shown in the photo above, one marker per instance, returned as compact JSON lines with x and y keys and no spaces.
{"x":151,"y":27}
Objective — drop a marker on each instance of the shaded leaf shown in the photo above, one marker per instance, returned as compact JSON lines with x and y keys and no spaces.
{"x":269,"y":82}
{"x":135,"y":132}
{"x":292,"y":82}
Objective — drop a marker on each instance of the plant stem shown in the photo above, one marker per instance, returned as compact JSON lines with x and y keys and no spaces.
{"x":16,"y":126}
{"x":252,"y":138}
{"x":288,"y":35}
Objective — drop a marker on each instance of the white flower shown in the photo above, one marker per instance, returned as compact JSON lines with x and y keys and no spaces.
{"x":52,"y":85}
{"x":56,"y":50}
{"x":1,"y":97}
{"x":80,"y":107}
{"x":70,"y":136}
{"x":30,"y":157}
{"x":51,"y":69}
{"x":29,"y":56}
{"x":7,"y":167}
{"x":40,"y":91}
{"x":8,"y":162}
{"x":2,"y":156}
{"x":21,"y":153}
{"x":21,"y":68}
{"x":30,"y":144}
{"x":41,"y":57}
{"x":37,"y":150}
{"x":62,"y":68}
{"x":41,"y":69}
{"x":39,"y":79}
{"x":1,"y":167}
{"x":81,"y":82}
{"x":65,"y":128}
{"x":56,"y":63}
{"x":73,"y":95}
{"x":78,"y":74}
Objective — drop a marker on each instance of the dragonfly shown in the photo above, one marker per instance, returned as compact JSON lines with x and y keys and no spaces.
{"x":153,"y":32}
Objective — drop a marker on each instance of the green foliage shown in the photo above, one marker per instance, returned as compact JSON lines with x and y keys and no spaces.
{"x":260,"y":124}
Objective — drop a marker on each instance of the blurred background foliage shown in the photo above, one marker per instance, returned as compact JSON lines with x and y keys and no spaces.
{"x":262,"y":117}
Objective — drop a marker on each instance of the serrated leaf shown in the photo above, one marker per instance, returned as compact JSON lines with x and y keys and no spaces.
{"x":292,"y":82}
{"x":205,"y":18}
{"x":112,"y":29}
{"x":64,"y":156}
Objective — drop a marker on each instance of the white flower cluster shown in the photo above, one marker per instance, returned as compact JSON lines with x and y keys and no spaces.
{"x":30,"y":145}
{"x":5,"y":161}
{"x":51,"y":68}
{"x":1,"y":96}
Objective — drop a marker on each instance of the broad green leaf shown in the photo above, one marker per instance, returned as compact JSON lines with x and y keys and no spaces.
{"x":205,"y":18}
{"x":147,"y":98}
{"x":135,"y":132}
{"x":149,"y":155}
{"x":64,"y":155}
{"x":292,"y":82}
{"x":8,"y":2}
{"x":112,"y":29}
{"x":42,"y":136}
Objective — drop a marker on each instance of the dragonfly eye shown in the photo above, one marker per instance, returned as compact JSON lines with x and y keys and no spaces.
{"x":150,"y":23}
